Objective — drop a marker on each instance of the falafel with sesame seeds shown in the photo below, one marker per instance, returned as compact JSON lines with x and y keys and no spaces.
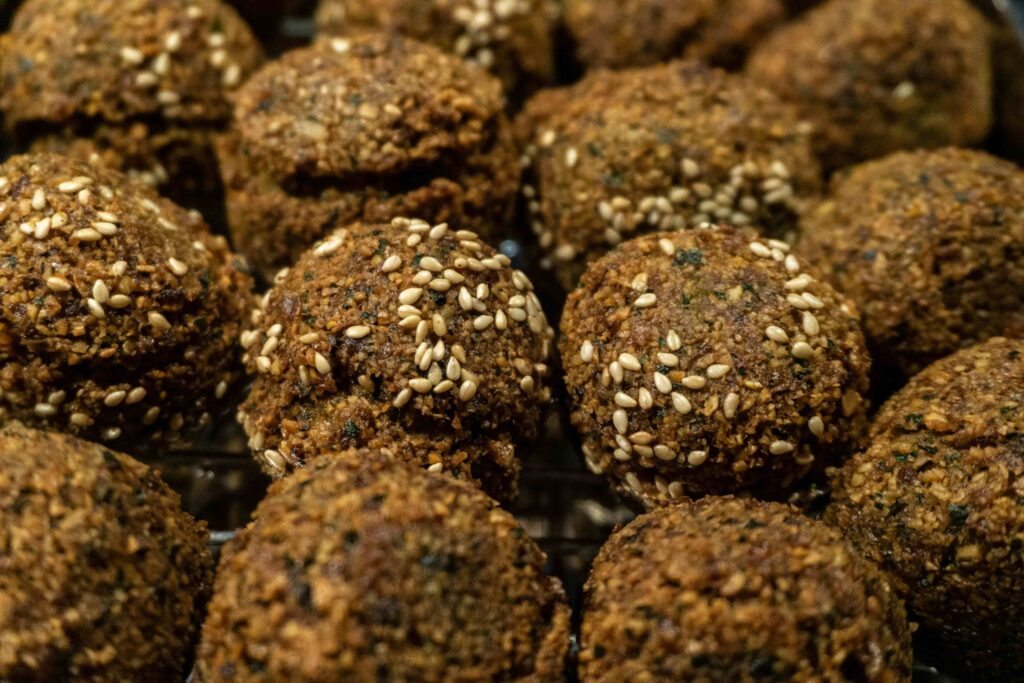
{"x":629,"y":33}
{"x":137,"y":85}
{"x":362,"y":567}
{"x":104,"y":577}
{"x":709,"y":362}
{"x":876,"y":76}
{"x":415,"y":337}
{"x":119,"y":311}
{"x":514,"y":39}
{"x":364,"y":128}
{"x":736,"y":590}
{"x":935,"y":500}
{"x":662,"y":148}
{"x":930,"y":245}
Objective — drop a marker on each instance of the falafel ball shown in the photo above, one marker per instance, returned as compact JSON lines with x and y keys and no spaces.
{"x":514,"y":39}
{"x":1008,"y":55}
{"x":140,"y":86}
{"x":119,"y":310}
{"x":661,"y":148}
{"x":364,"y":128}
{"x":931,"y":247}
{"x":104,"y":577}
{"x":877,"y":76}
{"x":362,"y":567}
{"x":709,"y":362}
{"x":936,"y":502}
{"x":405,"y":333}
{"x":736,"y":590}
{"x":628,"y":33}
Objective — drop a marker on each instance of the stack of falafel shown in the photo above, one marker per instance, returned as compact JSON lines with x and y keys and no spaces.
{"x":792,"y":320}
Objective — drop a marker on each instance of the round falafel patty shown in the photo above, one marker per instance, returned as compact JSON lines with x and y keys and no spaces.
{"x":733,"y":590}
{"x":406,"y":335}
{"x":936,"y":502}
{"x":104,"y":577}
{"x":709,"y":362}
{"x":362,"y":567}
{"x":931,"y":247}
{"x":514,"y":39}
{"x":662,"y":148}
{"x":138,"y":85}
{"x":624,"y":33}
{"x":364,"y":128}
{"x":119,"y":311}
{"x":877,"y":76}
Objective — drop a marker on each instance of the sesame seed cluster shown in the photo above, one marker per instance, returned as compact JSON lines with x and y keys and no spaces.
{"x":406,"y":331}
{"x":662,"y":148}
{"x":936,"y":501}
{"x":930,"y":245}
{"x":710,"y":362}
{"x":118,"y":309}
{"x":511,"y":38}
{"x":364,"y":128}
{"x":750,"y":591}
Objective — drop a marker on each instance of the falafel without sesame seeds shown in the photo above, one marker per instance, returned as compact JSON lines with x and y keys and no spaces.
{"x":119,"y":311}
{"x":104,"y":577}
{"x":876,"y":76}
{"x":662,"y":148}
{"x":708,"y":362}
{"x":415,"y":337}
{"x":140,"y":86}
{"x":364,"y":128}
{"x":936,"y":502}
{"x":930,"y":245}
{"x":630,"y":33}
{"x":736,"y":590}
{"x":514,"y":39}
{"x":362,"y":567}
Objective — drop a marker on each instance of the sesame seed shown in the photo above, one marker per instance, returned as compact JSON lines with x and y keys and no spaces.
{"x":58,"y":284}
{"x":621,"y":455}
{"x":501,"y":320}
{"x":587,"y":351}
{"x":731,"y":403}
{"x":269,"y":346}
{"x":781,"y":447}
{"x":482,"y":322}
{"x":104,"y":228}
{"x":810,"y":324}
{"x":792,"y":264}
{"x":440,"y":285}
{"x":669,"y":359}
{"x":119,"y":268}
{"x":437,"y":353}
{"x":323,"y":366}
{"x":802,"y":350}
{"x":410,"y":296}
{"x":158,"y":321}
{"x":673,"y":341}
{"x":667,"y":247}
{"x":453,"y":276}
{"x":45,"y":410}
{"x":681,"y":404}
{"x":357,"y":331}
{"x":616,"y":371}
{"x":274,"y":459}
{"x":95,"y":308}
{"x":797,"y":302}
{"x":526,"y":384}
{"x":813,"y":301}
{"x":111,"y":433}
{"x":799,"y":283}
{"x":646,"y":300}
{"x":620,"y":420}
{"x":119,"y":301}
{"x":696,"y":458}
{"x":220,"y":390}
{"x":641,"y":438}
{"x":263,"y":363}
{"x":760,"y":250}
{"x":42,"y":229}
{"x":453,"y":370}
{"x":432,"y":264}
{"x":817,"y":426}
{"x":168,"y":97}
{"x":690,"y":168}
{"x":177,"y":267}
{"x":328,"y":247}
{"x":81,"y":420}
{"x":114,"y":398}
{"x":132,"y":56}
{"x":468,"y":390}
{"x":517,"y":314}
{"x":662,"y":383}
{"x":629,"y":362}
{"x":87,"y":235}
{"x":422,"y":328}
{"x":100,"y":292}
{"x":694,"y":382}
{"x":139,"y":393}
{"x":624,"y":400}
{"x":151,"y":415}
{"x":718,"y":371}
{"x":634,"y":482}
{"x":69,"y":187}
{"x":645,"y":399}
{"x":776,"y":334}
{"x":439,"y":325}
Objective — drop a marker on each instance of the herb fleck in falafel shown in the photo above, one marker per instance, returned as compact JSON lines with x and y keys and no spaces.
{"x":408,"y":334}
{"x":733,"y":590}
{"x":936,"y":501}
{"x":877,"y":76}
{"x":707,"y":362}
{"x":931,"y":247}
{"x":662,"y":148}
{"x":119,"y":311}
{"x":362,"y":567}
{"x":104,"y":577}
{"x":138,"y":85}
{"x":364,"y":128}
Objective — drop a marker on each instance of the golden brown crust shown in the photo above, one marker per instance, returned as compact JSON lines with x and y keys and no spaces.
{"x":706,"y":362}
{"x":931,"y":247}
{"x":361,"y":567}
{"x":404,"y":335}
{"x":732,"y":590}
{"x":936,"y":501}
{"x":104,"y":577}
{"x":876,"y":76}
{"x":665,"y":147}
{"x":118,"y":310}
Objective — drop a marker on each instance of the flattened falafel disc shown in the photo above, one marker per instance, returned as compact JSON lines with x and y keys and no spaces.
{"x":362,"y":567}
{"x":662,"y":148}
{"x":708,"y":362}
{"x":364,"y":128}
{"x":119,"y":311}
{"x":735,"y":590}
{"x":104,"y":577}
{"x":877,"y":76}
{"x":936,"y":502}
{"x":415,"y":337}
{"x":931,"y":247}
